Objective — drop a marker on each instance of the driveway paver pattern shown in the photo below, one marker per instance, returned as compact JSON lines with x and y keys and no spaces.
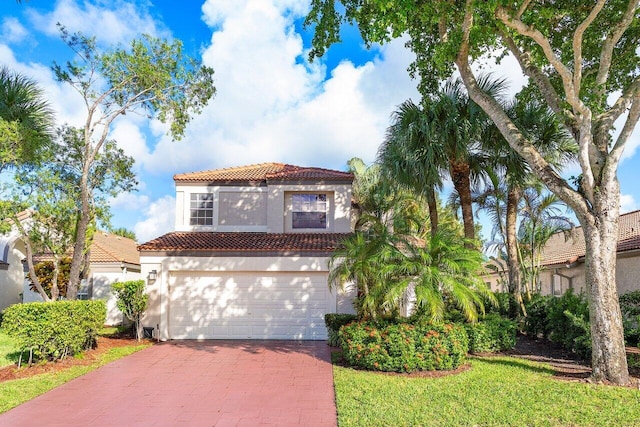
{"x":190,"y":383}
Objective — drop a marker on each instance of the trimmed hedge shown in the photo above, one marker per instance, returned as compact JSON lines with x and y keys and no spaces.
{"x":493,"y":333}
{"x":54,"y":330}
{"x":334,"y":322}
{"x":404,"y":347}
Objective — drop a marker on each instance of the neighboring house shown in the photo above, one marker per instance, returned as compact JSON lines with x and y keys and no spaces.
{"x":112,"y":259}
{"x":563,"y":260}
{"x":249,"y":257}
{"x":12,"y":252}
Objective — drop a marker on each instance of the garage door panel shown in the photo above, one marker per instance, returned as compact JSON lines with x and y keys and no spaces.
{"x":248,"y":305}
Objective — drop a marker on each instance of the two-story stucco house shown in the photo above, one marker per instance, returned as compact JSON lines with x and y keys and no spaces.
{"x":249,"y":254}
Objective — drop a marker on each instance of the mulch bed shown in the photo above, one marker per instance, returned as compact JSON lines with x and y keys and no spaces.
{"x":567,"y":366}
{"x":12,"y":372}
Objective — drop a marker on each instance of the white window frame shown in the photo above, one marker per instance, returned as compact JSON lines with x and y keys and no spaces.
{"x":310,"y":203}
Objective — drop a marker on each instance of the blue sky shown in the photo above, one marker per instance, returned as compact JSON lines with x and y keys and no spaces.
{"x":271,"y":105}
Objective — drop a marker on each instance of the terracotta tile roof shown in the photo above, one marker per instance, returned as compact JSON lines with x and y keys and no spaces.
{"x":263,"y":172}
{"x":245,"y":242}
{"x":107,"y":248}
{"x":559,"y":250}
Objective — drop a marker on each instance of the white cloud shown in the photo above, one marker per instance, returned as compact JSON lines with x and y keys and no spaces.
{"x":111,"y":22}
{"x":272,"y":105}
{"x":627,"y":203}
{"x":12,"y":30}
{"x":130,"y":202}
{"x":160,"y":219}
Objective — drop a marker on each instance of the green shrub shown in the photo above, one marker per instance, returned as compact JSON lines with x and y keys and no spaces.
{"x":334,"y":322}
{"x":506,"y":306}
{"x":630,"y":307}
{"x":493,"y":333}
{"x":56,"y":329}
{"x":535,"y":324}
{"x":568,"y":323}
{"x":404,"y":347}
{"x":132,"y":302}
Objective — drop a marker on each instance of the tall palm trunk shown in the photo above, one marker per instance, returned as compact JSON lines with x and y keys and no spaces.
{"x":433,"y":210}
{"x":461,"y":176}
{"x":513,"y":262}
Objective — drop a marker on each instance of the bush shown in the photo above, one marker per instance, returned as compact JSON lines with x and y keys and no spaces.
{"x":506,"y":306}
{"x":404,"y":347}
{"x":56,"y":329}
{"x":334,"y":322}
{"x":132,"y":302}
{"x":630,"y":307}
{"x":568,"y":323}
{"x":535,"y":324}
{"x":494,"y":333}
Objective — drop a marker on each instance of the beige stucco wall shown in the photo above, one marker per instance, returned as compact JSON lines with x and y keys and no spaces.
{"x":157,"y":313}
{"x":103,"y":277}
{"x":278,"y":207}
{"x":12,"y":279}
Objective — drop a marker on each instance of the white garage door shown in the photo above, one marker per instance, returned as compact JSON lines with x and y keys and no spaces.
{"x":248,"y":305}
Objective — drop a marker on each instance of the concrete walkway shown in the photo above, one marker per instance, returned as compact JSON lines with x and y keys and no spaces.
{"x":186,"y":383}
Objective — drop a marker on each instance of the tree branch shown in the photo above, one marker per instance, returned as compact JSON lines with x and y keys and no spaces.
{"x":542,"y":82}
{"x":577,"y":43}
{"x":627,"y":130}
{"x":606,"y":55}
{"x":608,"y":118}
{"x":563,"y":71}
{"x":507,"y":128}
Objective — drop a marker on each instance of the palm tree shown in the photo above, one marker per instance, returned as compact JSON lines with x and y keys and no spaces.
{"x":26,"y":120}
{"x":408,"y":155}
{"x":442,"y":135}
{"x":512,"y":174}
{"x":542,"y":218}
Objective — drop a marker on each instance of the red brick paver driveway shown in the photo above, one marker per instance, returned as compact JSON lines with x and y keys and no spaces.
{"x":185,"y":383}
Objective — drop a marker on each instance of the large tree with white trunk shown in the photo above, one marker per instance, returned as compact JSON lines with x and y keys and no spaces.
{"x":580,"y":56}
{"x":151,"y":77}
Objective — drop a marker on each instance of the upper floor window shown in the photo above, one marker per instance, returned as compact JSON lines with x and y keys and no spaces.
{"x":201,"y":210}
{"x":309,"y":210}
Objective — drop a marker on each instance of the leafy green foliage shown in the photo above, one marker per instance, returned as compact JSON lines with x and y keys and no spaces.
{"x":505,"y":305}
{"x":535,"y":324}
{"x":568,"y":323}
{"x":151,"y":76}
{"x":403,"y":347}
{"x":334,"y":321}
{"x":54,"y":330}
{"x":45,"y":272}
{"x":493,"y":333}
{"x":123,"y":232}
{"x":563,"y":320}
{"x":132,"y":301}
{"x":630,"y":307}
{"x":26,"y":120}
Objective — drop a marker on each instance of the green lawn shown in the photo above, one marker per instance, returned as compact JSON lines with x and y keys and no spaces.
{"x":8,"y":352}
{"x":497,"y":391}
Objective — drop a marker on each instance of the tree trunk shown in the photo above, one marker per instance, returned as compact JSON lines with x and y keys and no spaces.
{"x":433,"y":210}
{"x":609,"y":361}
{"x":461,"y":177}
{"x":55,"y":291}
{"x":81,"y":232}
{"x":515,"y":274}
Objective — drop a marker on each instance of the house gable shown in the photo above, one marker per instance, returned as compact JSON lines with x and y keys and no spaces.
{"x":268,"y":197}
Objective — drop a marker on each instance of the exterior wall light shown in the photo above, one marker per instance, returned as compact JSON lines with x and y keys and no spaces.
{"x":153,"y":275}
